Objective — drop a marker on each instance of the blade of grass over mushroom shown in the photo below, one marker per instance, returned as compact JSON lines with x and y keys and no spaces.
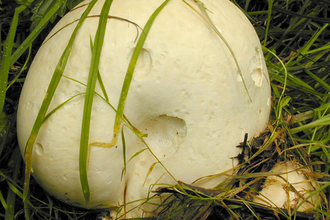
{"x":91,"y":82}
{"x":312,"y":194}
{"x":48,"y":97}
{"x":5,"y":62}
{"x":205,"y":16}
{"x":158,"y":161}
{"x":62,"y":104}
{"x":97,"y":16}
{"x":99,"y":77}
{"x":141,"y":136}
{"x":129,"y":124}
{"x":130,"y":71}
{"x":124,"y":152}
{"x":149,"y":171}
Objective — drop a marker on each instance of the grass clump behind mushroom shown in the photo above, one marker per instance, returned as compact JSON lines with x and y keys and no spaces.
{"x":295,"y":36}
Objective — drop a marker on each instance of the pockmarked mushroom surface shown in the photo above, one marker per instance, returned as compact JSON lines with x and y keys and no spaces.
{"x":194,"y":93}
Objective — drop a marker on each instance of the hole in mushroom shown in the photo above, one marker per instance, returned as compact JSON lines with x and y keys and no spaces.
{"x":256,"y":68}
{"x":165,"y":135}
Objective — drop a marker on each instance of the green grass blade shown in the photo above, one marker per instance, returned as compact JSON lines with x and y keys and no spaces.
{"x":325,"y":121}
{"x":298,"y":57}
{"x":124,"y":153}
{"x":316,"y":78}
{"x":22,"y":69}
{"x":311,"y":42}
{"x":324,"y":47}
{"x":300,"y":16}
{"x":323,"y":109}
{"x":312,"y":194}
{"x":5,"y":124}
{"x":3,"y":201}
{"x":158,"y":161}
{"x":5,"y":63}
{"x":104,"y":91}
{"x":48,"y":97}
{"x":34,"y":34}
{"x":62,"y":104}
{"x":279,"y":107}
{"x":149,"y":171}
{"x":99,"y":77}
{"x":11,"y":197}
{"x":269,"y":13}
{"x":129,"y":73}
{"x":92,"y":78}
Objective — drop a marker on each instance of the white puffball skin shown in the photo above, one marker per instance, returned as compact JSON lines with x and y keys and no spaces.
{"x":289,"y":189}
{"x":186,"y":94}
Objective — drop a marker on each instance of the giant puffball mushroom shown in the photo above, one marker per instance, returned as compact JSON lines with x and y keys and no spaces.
{"x":187,"y":94}
{"x":288,"y":187}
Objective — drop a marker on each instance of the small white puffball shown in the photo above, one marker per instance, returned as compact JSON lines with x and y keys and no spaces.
{"x":289,"y":189}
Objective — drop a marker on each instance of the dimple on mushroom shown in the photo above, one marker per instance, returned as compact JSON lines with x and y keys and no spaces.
{"x":187,"y":93}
